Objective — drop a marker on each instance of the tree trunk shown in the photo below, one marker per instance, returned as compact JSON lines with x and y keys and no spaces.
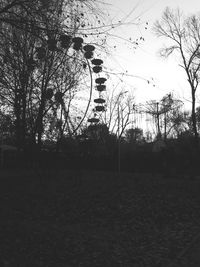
{"x":158,"y":120}
{"x":17,"y":112}
{"x":24,"y":132}
{"x":40,"y":123}
{"x":194,"y":121}
{"x":165,"y":126}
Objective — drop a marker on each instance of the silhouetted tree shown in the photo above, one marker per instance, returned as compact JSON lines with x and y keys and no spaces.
{"x":167,"y":115}
{"x":40,"y":75}
{"x":134,"y":135}
{"x":198,"y":118}
{"x":32,"y":15}
{"x":184,"y":35}
{"x":119,"y":110}
{"x":7,"y":128}
{"x":40,"y":78}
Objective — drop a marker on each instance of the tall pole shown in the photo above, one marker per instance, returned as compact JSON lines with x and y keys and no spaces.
{"x":158,"y":119}
{"x":119,"y":156}
{"x":119,"y":148}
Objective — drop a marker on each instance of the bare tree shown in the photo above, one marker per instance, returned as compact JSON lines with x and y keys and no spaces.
{"x":41,"y":91}
{"x":171,"y":114}
{"x":167,"y":115}
{"x":40,"y":76}
{"x":119,"y":108}
{"x":183,"y":34}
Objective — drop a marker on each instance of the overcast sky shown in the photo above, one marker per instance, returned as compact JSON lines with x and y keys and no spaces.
{"x":164,"y":74}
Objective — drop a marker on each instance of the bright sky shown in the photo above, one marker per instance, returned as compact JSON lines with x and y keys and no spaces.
{"x":144,"y":61}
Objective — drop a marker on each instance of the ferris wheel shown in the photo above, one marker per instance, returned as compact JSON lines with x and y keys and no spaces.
{"x":71,"y":100}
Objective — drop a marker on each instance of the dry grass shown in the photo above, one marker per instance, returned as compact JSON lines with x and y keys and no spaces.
{"x":95,"y":219}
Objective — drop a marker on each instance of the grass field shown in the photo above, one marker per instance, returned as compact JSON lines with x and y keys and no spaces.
{"x":66,"y":219}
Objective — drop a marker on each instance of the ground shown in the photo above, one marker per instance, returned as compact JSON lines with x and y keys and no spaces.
{"x":66,"y":219}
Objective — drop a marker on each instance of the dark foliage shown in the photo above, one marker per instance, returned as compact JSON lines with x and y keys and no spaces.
{"x":177,"y":158}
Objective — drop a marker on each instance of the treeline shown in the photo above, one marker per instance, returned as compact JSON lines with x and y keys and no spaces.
{"x":106,"y":152}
